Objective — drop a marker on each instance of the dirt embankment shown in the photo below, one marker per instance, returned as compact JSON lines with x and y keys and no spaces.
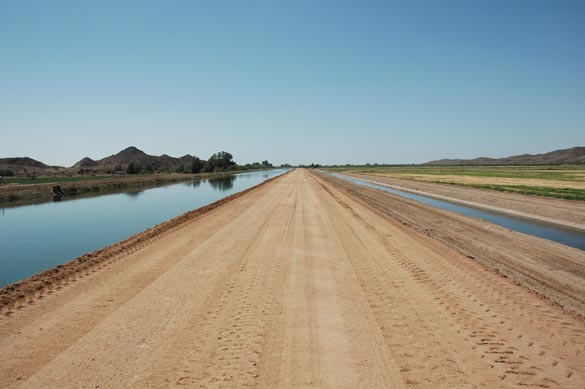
{"x":18,"y":294}
{"x":297,"y":283}
{"x":40,"y":192}
{"x":566,"y":212}
{"x":555,"y":271}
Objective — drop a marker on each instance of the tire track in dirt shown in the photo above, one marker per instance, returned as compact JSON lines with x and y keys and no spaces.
{"x":550,"y":269}
{"x":75,"y":311}
{"x":410,"y":332}
{"x":225,"y":339}
{"x":479,"y":319}
{"x":293,"y":341}
{"x":367,"y":341}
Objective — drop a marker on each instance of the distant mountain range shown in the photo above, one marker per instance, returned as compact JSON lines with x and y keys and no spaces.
{"x":572,"y":156}
{"x":163,"y":163}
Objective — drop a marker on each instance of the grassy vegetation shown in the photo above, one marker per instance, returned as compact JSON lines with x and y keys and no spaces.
{"x":560,"y":193}
{"x":561,"y":172}
{"x":518,"y":179}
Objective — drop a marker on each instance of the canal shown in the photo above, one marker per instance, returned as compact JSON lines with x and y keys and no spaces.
{"x":38,"y":237}
{"x":556,"y":233}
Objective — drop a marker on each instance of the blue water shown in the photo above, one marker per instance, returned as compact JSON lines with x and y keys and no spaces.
{"x":37,"y":237}
{"x":566,"y":236}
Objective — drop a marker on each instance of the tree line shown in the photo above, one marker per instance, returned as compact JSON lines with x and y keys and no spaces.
{"x":221,"y":161}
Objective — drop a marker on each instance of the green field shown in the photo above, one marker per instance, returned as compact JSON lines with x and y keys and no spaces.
{"x":566,"y":181}
{"x":564,"y":172}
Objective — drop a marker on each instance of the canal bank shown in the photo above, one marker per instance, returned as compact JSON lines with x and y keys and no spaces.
{"x":550,"y":269}
{"x":38,"y":237}
{"x":23,"y":194}
{"x":567,"y":233}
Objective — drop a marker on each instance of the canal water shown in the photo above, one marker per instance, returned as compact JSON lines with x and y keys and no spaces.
{"x":556,"y":233}
{"x":37,"y":237}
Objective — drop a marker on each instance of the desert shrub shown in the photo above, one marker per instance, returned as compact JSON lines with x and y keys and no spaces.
{"x":6,"y":172}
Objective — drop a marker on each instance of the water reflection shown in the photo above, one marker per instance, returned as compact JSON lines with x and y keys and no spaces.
{"x":196,"y":183}
{"x":134,"y":193}
{"x":223,"y":183}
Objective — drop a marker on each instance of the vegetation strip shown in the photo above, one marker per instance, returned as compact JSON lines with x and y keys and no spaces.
{"x":559,"y":193}
{"x":563,"y":182}
{"x":29,"y":288}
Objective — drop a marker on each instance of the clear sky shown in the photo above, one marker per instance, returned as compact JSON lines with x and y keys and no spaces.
{"x":291,"y":81}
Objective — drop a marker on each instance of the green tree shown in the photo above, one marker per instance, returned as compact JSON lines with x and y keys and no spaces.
{"x":133,"y":168}
{"x":196,"y":165}
{"x":207,"y":168}
{"x":221,"y":161}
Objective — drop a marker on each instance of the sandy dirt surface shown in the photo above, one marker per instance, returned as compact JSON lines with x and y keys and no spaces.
{"x":559,"y":210}
{"x":461,"y":179}
{"x":294,"y":284}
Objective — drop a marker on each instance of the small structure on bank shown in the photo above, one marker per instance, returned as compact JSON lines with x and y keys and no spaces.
{"x":57,"y":191}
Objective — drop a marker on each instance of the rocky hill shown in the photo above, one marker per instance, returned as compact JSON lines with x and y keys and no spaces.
{"x":120,"y":161}
{"x":25,"y":166}
{"x":22,"y":162}
{"x":163,"y":163}
{"x":572,"y":156}
{"x":85,"y":163}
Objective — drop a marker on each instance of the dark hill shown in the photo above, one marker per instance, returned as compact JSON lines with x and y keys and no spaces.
{"x":22,"y":162}
{"x":572,"y":156}
{"x":143,"y":162}
{"x":85,"y":163}
{"x":139,"y":158}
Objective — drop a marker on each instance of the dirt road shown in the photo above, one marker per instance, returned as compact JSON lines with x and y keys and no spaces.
{"x":295,"y":284}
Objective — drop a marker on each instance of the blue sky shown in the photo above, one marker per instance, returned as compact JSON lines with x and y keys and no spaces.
{"x":291,"y":81}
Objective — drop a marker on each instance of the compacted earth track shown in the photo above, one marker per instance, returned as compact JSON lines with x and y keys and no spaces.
{"x":297,"y":283}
